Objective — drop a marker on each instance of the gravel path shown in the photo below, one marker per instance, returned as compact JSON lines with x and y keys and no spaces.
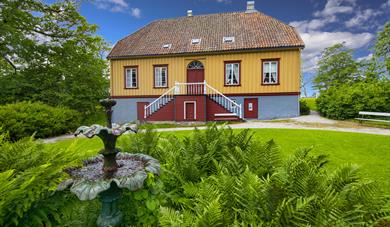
{"x":310,"y":122}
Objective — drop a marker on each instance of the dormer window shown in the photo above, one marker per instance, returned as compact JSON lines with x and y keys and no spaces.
{"x":229,"y":39}
{"x":195,"y":41}
{"x":167,"y":45}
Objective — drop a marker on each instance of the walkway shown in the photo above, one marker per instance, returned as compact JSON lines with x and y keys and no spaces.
{"x":309,"y":122}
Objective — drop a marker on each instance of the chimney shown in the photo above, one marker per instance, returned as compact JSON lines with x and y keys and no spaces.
{"x":250,"y":7}
{"x":189,"y":13}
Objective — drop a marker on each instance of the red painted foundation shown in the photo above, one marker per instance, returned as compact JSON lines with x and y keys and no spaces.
{"x":165,"y":113}
{"x":214,"y":108}
{"x":190,"y":108}
{"x":200,"y":111}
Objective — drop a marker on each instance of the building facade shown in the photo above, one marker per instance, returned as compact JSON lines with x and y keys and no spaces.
{"x":226,"y":66}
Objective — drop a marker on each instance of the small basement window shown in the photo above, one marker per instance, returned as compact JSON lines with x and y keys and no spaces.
{"x":168,"y":45}
{"x":195,"y":41}
{"x":229,"y":39}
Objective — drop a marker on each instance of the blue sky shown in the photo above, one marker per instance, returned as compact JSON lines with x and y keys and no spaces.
{"x":320,"y":23}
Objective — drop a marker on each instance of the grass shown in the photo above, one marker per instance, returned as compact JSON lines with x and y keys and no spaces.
{"x":372,"y":123}
{"x":311,"y":102}
{"x":370,"y":152}
{"x":184,"y":124}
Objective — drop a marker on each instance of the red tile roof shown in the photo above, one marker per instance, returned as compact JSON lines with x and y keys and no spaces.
{"x":251,"y":31}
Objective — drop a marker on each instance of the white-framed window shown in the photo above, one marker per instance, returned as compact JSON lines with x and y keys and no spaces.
{"x":232,"y":73}
{"x":131,"y":77}
{"x":270,"y":72}
{"x":161,"y":76}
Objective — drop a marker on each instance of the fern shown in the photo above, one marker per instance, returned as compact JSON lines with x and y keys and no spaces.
{"x":213,"y":177}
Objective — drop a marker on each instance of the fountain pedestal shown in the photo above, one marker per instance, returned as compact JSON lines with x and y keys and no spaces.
{"x":110,"y":214}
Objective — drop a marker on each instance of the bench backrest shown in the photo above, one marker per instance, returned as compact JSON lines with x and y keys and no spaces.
{"x":374,"y":113}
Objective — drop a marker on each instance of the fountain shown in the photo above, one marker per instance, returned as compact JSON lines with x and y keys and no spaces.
{"x":106,"y":175}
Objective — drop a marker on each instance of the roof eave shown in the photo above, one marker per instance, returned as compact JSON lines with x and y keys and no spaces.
{"x":207,"y":52}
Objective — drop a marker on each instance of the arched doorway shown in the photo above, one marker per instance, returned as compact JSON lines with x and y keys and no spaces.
{"x":195,"y":74}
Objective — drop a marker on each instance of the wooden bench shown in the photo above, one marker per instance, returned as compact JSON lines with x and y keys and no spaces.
{"x":226,"y":117}
{"x":377,"y":114}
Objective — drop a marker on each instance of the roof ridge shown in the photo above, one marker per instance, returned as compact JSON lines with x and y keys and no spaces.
{"x":200,"y":15}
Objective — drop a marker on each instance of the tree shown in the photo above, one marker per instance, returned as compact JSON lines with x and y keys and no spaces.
{"x":382,"y":46}
{"x":49,"y":53}
{"x":335,"y":67}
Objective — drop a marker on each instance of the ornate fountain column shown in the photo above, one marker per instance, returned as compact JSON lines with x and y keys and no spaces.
{"x":106,"y":175}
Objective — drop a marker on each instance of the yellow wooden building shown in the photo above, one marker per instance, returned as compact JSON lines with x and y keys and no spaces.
{"x":228,"y":66}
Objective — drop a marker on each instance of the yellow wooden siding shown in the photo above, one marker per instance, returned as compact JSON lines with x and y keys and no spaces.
{"x":214,"y":73}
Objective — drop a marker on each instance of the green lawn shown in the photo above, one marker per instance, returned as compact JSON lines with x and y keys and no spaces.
{"x":311,"y":102}
{"x":370,"y":152}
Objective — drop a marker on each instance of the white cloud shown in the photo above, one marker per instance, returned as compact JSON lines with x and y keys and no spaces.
{"x":119,"y":3}
{"x":365,"y":58}
{"x":136,"y":12}
{"x":317,"y":41}
{"x":112,"y":5}
{"x":333,"y":7}
{"x":309,"y":25}
{"x":316,"y":38}
{"x":224,"y":1}
{"x":361,"y":17}
{"x":117,"y":6}
{"x":325,"y":16}
{"x":386,"y":5}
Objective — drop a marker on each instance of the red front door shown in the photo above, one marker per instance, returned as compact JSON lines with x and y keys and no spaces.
{"x":251,"y":108}
{"x":141,"y":110}
{"x":195,"y":76}
{"x":189,"y":111}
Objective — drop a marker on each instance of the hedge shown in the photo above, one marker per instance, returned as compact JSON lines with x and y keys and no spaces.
{"x":345,"y":101}
{"x":304,"y":109}
{"x":23,"y":119}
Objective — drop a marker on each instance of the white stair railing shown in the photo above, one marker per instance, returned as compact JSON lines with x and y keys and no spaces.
{"x":159,"y":102}
{"x":224,"y":101}
{"x":196,"y":88}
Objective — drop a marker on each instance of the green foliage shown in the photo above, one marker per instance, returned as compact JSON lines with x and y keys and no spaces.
{"x":29,"y":175}
{"x":213,"y":177}
{"x":142,"y":207}
{"x":345,"y":101}
{"x":335,"y":67}
{"x":25,"y":118}
{"x":382,"y":46}
{"x":145,"y":143}
{"x":242,"y":182}
{"x":49,"y":53}
{"x":303,"y":107}
{"x":311,"y":102}
{"x":347,"y":86}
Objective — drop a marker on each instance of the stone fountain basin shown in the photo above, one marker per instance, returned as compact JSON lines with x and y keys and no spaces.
{"x":90,"y":180}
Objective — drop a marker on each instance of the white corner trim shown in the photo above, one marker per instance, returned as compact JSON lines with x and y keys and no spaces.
{"x":185,"y":111}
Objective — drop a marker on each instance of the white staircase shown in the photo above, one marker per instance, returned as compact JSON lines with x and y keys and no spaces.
{"x":159,"y":102}
{"x":199,"y":88}
{"x":224,"y":101}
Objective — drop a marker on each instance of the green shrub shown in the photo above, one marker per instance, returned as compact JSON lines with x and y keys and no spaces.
{"x":29,"y":175}
{"x":216,"y":177}
{"x":345,"y":101}
{"x":23,"y":119}
{"x":213,"y":177}
{"x":311,"y":102}
{"x":303,"y":107}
